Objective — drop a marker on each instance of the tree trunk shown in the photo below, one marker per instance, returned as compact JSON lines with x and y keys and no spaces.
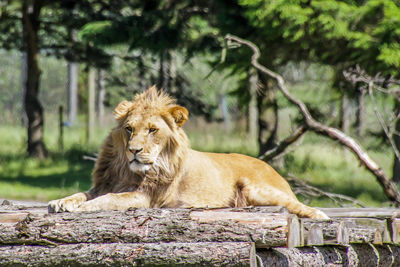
{"x":164,"y":73}
{"x":72,"y":88}
{"x":396,"y":138}
{"x":143,"y":84}
{"x":101,"y":95}
{"x":223,"y":107}
{"x":33,"y":107}
{"x":360,"y":114}
{"x":172,"y":73}
{"x":91,"y":104}
{"x":252,"y":120}
{"x":345,"y":114}
{"x":24,"y":77}
{"x":268,"y":117}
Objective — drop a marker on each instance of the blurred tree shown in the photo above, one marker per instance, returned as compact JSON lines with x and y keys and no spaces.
{"x":396,"y":137}
{"x":44,"y":26}
{"x":156,"y":28}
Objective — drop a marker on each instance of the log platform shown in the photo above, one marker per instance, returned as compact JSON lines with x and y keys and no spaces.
{"x":254,"y":236}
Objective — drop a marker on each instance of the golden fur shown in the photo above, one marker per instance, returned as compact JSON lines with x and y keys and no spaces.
{"x":146,"y":162}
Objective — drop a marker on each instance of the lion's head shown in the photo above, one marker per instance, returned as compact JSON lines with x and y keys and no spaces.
{"x":150,"y":130}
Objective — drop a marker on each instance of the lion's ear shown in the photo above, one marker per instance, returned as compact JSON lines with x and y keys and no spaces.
{"x":180,"y":114}
{"x":122,"y":109}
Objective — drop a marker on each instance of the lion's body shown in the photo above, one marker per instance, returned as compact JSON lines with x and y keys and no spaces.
{"x":146,"y":161}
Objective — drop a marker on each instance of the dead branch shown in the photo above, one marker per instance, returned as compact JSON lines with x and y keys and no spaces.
{"x":388,"y":186}
{"x":354,"y":75}
{"x":302,"y":188}
{"x":282,"y":145}
{"x":92,"y":158}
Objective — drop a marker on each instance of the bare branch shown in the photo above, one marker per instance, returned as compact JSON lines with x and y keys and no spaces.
{"x":302,"y":188}
{"x":92,"y":158}
{"x":388,"y":186}
{"x":282,"y":145}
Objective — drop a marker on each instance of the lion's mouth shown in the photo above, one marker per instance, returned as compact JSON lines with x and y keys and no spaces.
{"x":135,"y":160}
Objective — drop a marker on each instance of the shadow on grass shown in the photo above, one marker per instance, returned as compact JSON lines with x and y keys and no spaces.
{"x":58,"y":171}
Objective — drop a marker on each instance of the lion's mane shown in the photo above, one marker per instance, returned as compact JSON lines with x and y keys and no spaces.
{"x":112,"y":172}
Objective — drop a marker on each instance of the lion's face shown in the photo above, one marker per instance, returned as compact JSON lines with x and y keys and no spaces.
{"x":149,"y":126}
{"x":147,"y":137}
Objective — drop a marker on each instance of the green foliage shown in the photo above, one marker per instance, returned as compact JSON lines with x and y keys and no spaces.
{"x":149,"y":26}
{"x":332,"y":31}
{"x":96,"y":32}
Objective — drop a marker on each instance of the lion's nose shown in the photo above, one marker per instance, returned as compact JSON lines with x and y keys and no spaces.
{"x":134,"y":151}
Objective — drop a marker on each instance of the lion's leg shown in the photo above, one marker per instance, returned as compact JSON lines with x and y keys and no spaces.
{"x":115,"y":201}
{"x":267,"y":195}
{"x":67,"y":203}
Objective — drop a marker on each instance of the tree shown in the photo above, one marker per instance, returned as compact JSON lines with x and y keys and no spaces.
{"x":35,"y":21}
{"x":34,"y":110}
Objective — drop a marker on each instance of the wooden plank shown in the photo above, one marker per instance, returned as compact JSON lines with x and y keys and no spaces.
{"x":239,"y":217}
{"x":361,"y":212}
{"x":145,"y":254}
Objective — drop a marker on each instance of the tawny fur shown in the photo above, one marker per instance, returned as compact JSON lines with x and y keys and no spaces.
{"x":146,"y":161}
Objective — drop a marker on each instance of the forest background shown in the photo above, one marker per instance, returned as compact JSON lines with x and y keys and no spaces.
{"x":69,"y":63}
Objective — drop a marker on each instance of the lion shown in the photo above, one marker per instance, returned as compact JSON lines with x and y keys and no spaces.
{"x":146,"y":162}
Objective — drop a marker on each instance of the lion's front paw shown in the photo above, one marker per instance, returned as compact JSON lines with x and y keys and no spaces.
{"x":66,"y":204}
{"x":61,"y":205}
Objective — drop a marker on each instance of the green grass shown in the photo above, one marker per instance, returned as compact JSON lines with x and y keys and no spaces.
{"x":327,"y":165}
{"x":62,"y":174}
{"x":317,"y":160}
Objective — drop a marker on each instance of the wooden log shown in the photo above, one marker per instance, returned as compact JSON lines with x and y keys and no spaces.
{"x":350,"y":255}
{"x":344,"y":231}
{"x":118,"y":254}
{"x":150,"y":226}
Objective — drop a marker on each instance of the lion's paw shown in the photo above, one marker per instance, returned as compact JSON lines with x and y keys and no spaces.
{"x":65,"y":204}
{"x":319,"y":215}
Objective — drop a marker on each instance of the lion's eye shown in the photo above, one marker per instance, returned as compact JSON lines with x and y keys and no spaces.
{"x":129,"y":129}
{"x":152,"y":130}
